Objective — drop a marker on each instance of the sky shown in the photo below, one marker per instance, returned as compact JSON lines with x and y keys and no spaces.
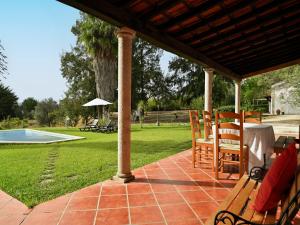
{"x":34,"y":34}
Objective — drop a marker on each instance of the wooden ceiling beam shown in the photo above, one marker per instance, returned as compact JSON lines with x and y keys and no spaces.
{"x":278,"y":60}
{"x":159,"y":8}
{"x":219,"y":51}
{"x":272,"y":68}
{"x":261,"y":57}
{"x":192,"y":12}
{"x":261,"y":48}
{"x":103,"y":9}
{"x":244,"y":28}
{"x":210,"y":19}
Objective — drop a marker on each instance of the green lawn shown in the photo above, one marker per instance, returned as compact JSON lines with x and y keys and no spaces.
{"x":36,"y":173}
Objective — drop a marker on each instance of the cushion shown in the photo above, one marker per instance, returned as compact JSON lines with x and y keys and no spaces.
{"x":277,"y":181}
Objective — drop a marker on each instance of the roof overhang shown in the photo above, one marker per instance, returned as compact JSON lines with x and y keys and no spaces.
{"x":237,"y":38}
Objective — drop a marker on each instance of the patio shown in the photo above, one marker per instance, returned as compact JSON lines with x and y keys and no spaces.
{"x":168,"y":191}
{"x":150,"y":199}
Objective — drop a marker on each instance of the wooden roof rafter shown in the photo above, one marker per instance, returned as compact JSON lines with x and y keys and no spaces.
{"x":227,"y":35}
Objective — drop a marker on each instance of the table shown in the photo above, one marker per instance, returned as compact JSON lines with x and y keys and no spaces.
{"x":260,"y":139}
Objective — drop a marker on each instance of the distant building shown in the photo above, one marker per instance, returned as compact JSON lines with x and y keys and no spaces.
{"x":282,"y":99}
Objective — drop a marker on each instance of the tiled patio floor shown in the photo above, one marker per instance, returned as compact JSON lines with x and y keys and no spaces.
{"x":169,"y":191}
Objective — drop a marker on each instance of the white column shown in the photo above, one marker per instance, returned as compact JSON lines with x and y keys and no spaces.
{"x":125,"y":36}
{"x":237,"y":96}
{"x":209,"y":72}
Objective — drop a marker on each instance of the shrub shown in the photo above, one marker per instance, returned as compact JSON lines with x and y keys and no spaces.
{"x":226,"y":108}
{"x":197,"y":103}
{"x":12,"y":123}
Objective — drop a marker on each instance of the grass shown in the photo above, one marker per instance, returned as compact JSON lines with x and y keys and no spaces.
{"x":37,"y":173}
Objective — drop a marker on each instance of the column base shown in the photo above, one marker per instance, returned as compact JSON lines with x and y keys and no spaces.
{"x":123,"y":178}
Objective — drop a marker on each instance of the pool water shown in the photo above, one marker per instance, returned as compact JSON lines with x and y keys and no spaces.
{"x":33,"y":136}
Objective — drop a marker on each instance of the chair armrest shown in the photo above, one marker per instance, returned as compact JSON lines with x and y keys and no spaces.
{"x":257,"y":173}
{"x":229,"y":218}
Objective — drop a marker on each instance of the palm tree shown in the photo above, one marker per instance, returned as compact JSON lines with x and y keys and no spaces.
{"x":99,"y":39}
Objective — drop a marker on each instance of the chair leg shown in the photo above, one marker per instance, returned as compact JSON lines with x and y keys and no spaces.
{"x":222,"y":163}
{"x":193,"y":156}
{"x":217,"y":167}
{"x":241,"y":166}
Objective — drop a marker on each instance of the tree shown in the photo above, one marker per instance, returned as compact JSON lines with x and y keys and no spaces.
{"x":44,"y":111}
{"x":187,"y":79}
{"x":8,"y":102}
{"x":145,"y":69}
{"x":28,"y":107}
{"x":3,"y":63}
{"x":99,"y":40}
{"x":77,"y":69}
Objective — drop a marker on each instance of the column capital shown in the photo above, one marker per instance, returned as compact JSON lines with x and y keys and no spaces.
{"x":208,"y":69}
{"x":125,"y":32}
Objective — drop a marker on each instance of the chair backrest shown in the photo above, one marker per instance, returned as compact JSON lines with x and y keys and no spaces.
{"x":207,"y":121}
{"x":252,"y":117}
{"x":228,"y":131}
{"x":195,"y":125}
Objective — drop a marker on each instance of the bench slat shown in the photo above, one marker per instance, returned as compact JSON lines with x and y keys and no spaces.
{"x":242,"y":198}
{"x":229,"y":199}
{"x":248,"y":214}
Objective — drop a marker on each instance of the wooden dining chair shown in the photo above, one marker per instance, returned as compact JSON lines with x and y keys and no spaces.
{"x":202,"y":149}
{"x":252,"y":117}
{"x":207,"y":122}
{"x":229,"y":142}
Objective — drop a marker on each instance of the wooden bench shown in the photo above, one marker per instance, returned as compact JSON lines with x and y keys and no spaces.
{"x":282,"y":142}
{"x":236,"y":209}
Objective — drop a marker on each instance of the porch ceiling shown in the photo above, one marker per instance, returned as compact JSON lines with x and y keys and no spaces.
{"x":235,"y":37}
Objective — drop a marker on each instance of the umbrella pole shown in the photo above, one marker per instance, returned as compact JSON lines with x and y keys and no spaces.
{"x":98,"y":112}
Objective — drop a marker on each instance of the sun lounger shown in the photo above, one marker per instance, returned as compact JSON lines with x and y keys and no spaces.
{"x":90,"y":126}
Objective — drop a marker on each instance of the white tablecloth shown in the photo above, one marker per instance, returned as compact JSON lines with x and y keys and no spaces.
{"x":260,"y":139}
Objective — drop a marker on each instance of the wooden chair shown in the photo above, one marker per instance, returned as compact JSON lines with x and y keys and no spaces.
{"x":229,"y":138}
{"x":207,"y":122}
{"x":252,"y":117}
{"x":202,"y":149}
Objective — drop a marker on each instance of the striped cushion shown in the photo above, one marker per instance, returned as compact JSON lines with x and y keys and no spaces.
{"x":231,"y":146}
{"x":206,"y":141}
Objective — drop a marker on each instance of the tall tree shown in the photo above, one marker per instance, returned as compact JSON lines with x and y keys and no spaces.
{"x":3,"y":63}
{"x":145,"y":69}
{"x":28,"y":107}
{"x":187,"y":79}
{"x":8,"y":102}
{"x":77,"y":69}
{"x":99,"y":39}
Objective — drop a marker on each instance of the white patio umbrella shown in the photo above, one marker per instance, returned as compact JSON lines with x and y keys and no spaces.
{"x":97,"y":102}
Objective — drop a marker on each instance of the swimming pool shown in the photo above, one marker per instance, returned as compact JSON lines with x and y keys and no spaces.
{"x":29,"y":136}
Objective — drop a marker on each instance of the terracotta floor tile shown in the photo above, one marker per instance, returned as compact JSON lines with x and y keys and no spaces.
{"x":112,"y":201}
{"x":195,"y":196}
{"x":86,"y":203}
{"x":136,"y":188}
{"x":162,"y":187}
{"x":201,"y":176}
{"x":78,"y":218}
{"x":141,"y":200}
{"x":204,"y":209}
{"x":209,"y":184}
{"x":169,"y":198}
{"x":218,"y":194}
{"x":14,"y":219}
{"x":12,"y":207}
{"x":113,"y":190}
{"x":185,"y":222}
{"x":177,"y":212}
{"x":148,"y":214}
{"x":91,"y":191}
{"x":55,"y":205}
{"x":112,"y":216}
{"x":42,"y":218}
{"x":188,"y":187}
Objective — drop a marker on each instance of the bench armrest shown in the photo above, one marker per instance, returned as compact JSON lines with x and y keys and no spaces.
{"x":229,"y":218}
{"x":257,"y":173}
